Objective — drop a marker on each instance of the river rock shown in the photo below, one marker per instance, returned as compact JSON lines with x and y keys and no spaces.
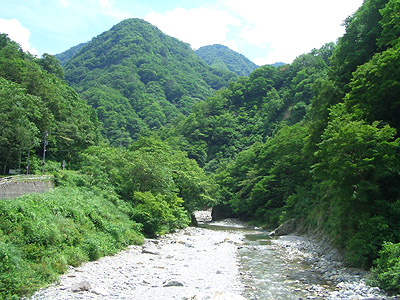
{"x":82,"y":286}
{"x":226,"y":296}
{"x":173,"y":283}
{"x":99,"y":291}
{"x":284,"y":229}
{"x":150,"y":248}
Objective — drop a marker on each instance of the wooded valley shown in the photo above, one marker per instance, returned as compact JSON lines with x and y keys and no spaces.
{"x":150,"y":132}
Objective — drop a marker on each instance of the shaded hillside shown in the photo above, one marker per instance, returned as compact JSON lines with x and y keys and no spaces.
{"x":251,"y":109}
{"x":221,"y":57}
{"x":138,"y":78}
{"x":67,"y":55}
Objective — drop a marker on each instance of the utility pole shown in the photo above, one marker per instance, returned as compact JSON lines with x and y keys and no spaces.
{"x":44,"y":150}
{"x":28,"y":165}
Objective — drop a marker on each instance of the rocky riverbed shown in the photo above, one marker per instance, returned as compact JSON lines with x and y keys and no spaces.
{"x":308,"y":269}
{"x":200,"y":263}
{"x":193,"y":263}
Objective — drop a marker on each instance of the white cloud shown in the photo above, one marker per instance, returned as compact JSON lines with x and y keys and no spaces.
{"x":198,"y":26}
{"x":64,"y":3}
{"x":287,"y":28}
{"x":107,"y":8}
{"x":89,"y":9}
{"x":17,"y":33}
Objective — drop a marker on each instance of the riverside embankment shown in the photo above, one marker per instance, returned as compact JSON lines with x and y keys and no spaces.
{"x":17,"y":186}
{"x":222,"y":261}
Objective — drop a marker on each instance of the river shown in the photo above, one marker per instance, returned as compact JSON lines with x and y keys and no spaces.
{"x":221,"y":260}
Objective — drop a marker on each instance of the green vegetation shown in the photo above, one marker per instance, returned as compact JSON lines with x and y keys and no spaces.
{"x":119,"y":195}
{"x":42,"y":234}
{"x":221,"y":57}
{"x":319,"y":138}
{"x":316,"y":140}
{"x":387,"y":270}
{"x":165,"y":134}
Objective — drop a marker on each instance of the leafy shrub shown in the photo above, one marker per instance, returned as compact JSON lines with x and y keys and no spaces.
{"x":159,"y":213}
{"x":92,"y":246}
{"x":387,"y":270}
{"x":71,"y":178}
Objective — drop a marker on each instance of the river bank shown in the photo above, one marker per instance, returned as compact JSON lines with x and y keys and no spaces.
{"x":219,"y":263}
{"x":311,"y":270}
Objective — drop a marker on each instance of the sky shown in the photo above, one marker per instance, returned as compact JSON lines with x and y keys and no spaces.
{"x":265,"y":31}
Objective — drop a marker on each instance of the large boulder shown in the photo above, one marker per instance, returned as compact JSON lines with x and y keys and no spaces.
{"x":149,"y":247}
{"x":221,"y":211}
{"x":285,"y":228}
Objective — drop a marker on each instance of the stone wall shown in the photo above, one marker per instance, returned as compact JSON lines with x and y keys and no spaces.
{"x":14,"y":189}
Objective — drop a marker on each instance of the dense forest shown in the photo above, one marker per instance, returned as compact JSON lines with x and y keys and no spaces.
{"x":150,"y":133}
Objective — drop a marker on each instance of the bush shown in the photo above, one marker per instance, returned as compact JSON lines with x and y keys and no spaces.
{"x":71,"y":178}
{"x":11,"y":265}
{"x":159,"y":213}
{"x":387,"y":270}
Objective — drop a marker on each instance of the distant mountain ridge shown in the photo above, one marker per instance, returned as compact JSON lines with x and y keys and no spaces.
{"x":221,"y":57}
{"x":139,"y":79}
{"x":66,"y":56}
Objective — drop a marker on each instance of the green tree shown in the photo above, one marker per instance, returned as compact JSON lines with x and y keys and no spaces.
{"x":359,"y":43}
{"x":355,"y":160}
{"x":50,"y":64}
{"x":19,"y":115}
{"x":390,"y":25}
{"x":375,"y":88}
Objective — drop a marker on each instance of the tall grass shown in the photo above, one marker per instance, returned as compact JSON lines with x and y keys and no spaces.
{"x":42,"y":234}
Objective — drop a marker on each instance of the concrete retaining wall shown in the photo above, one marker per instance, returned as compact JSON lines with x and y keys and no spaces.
{"x":16,"y":189}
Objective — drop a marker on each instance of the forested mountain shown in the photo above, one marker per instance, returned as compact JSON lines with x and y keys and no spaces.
{"x":139,"y":79}
{"x":67,"y":55}
{"x":221,"y":57}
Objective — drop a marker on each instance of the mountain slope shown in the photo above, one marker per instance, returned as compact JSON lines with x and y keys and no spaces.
{"x":139,"y":79}
{"x":67,"y":55}
{"x":221,"y":57}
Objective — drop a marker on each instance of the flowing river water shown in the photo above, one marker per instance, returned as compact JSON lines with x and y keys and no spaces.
{"x":270,"y":270}
{"x":219,"y":260}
